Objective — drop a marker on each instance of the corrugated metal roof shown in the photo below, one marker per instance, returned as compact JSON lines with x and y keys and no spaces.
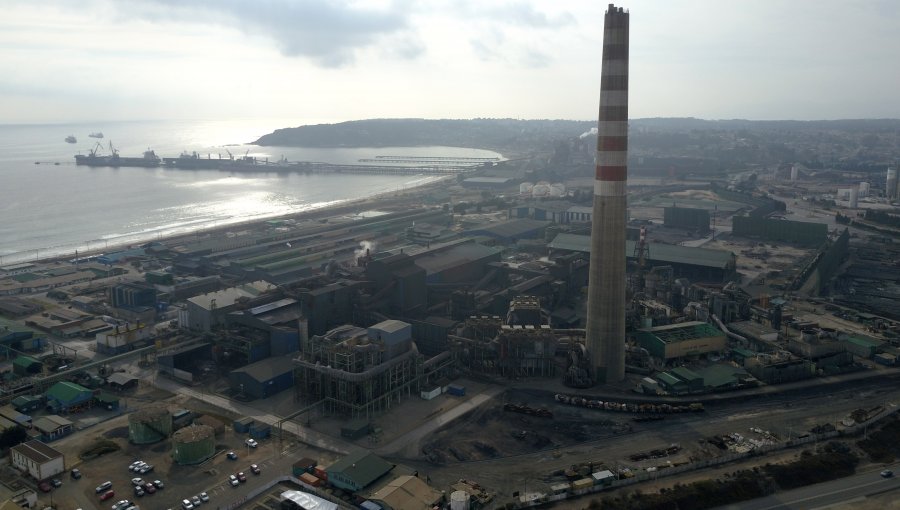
{"x":685,"y":374}
{"x":362,"y":466}
{"x":229,"y":296}
{"x":268,"y":368}
{"x":436,"y":262}
{"x":37,"y":451}
{"x":408,"y":493}
{"x":660,"y":252}
{"x":68,"y":393}
{"x":307,"y":501}
{"x":510,"y":229}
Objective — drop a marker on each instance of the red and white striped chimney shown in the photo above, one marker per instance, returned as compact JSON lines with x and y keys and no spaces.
{"x":605,"y":330}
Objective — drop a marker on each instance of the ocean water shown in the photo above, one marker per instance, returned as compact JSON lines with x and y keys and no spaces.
{"x":55,"y":207}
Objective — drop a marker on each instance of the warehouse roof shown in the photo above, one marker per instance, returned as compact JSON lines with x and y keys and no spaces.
{"x":408,"y":493}
{"x":307,"y":501}
{"x":230,"y":296}
{"x":121,"y":378}
{"x":684,"y":331}
{"x":362,"y":466}
{"x":67,"y":392}
{"x":720,"y":375}
{"x":686,"y":374}
{"x":37,"y":451}
{"x":268,"y":368}
{"x":511,"y":229}
{"x":671,"y":253}
{"x":437,"y":261}
{"x":668,"y":379}
{"x":50,"y":423}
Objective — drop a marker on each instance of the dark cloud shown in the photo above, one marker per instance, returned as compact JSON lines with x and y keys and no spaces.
{"x":330,"y":33}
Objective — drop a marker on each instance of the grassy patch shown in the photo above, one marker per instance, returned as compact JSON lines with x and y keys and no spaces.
{"x":99,"y":448}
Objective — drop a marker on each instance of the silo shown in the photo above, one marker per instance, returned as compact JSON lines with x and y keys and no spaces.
{"x":194,"y":444}
{"x":557,"y":189}
{"x":459,"y":500}
{"x":541,"y":189}
{"x":794,"y":173}
{"x":149,"y":425}
{"x":890,"y":189}
{"x":854,"y":198}
{"x":525,"y":188}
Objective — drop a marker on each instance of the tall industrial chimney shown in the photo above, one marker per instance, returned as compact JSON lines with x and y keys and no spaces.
{"x":890,"y":188}
{"x":606,"y":287}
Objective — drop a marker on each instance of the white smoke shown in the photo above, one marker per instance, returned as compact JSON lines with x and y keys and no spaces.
{"x":590,"y":132}
{"x":363,"y":247}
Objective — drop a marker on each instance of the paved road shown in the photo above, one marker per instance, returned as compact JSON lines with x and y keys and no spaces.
{"x":304,"y":434}
{"x":852,"y":489}
{"x":408,"y":443}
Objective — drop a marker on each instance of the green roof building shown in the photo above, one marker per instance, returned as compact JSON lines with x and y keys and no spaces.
{"x":357,"y":470}
{"x":686,"y":339}
{"x":68,"y":397}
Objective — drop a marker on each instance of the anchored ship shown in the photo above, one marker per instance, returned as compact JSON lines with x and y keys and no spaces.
{"x":71,"y":139}
{"x":98,"y":134}
{"x":94,"y":158}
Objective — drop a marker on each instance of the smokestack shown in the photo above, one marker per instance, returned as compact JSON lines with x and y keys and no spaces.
{"x":606,"y":287}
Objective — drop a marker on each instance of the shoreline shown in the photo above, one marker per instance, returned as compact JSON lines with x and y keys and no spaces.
{"x":331,"y":209}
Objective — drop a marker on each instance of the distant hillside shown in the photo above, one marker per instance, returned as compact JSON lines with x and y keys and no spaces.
{"x":502,"y":134}
{"x":475,"y":133}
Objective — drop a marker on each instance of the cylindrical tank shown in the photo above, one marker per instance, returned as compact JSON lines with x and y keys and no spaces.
{"x":459,"y":500}
{"x":890,"y":189}
{"x":194,"y":444}
{"x":149,"y":425}
{"x":794,"y":173}
{"x":541,"y":189}
{"x":525,"y":188}
{"x":854,"y":198}
{"x":557,"y":189}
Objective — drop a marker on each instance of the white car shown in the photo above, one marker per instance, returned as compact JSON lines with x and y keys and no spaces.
{"x":233,"y":481}
{"x":204,"y":497}
{"x":251,"y":443}
{"x":137,"y":481}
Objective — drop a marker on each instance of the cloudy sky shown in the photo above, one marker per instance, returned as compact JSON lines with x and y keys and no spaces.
{"x":321,"y":61}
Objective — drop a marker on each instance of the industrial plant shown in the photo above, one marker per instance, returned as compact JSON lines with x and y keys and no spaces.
{"x":526,"y":313}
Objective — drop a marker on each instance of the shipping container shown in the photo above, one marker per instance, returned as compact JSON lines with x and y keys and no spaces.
{"x":456,"y":390}
{"x":432,"y":393}
{"x":304,"y":465}
{"x":260,"y":431}
{"x":583,"y":483}
{"x":321,"y":472}
{"x":310,"y":479}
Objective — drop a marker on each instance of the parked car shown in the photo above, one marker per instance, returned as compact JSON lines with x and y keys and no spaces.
{"x":103,"y":486}
{"x":146,"y":468}
{"x":186,"y":504}
{"x":137,"y":481}
{"x":139,"y":491}
{"x":196,"y":501}
{"x":254,"y":469}
{"x":251,"y":443}
{"x":75,"y":474}
{"x":107,"y":495}
{"x":159,"y":484}
{"x":232,"y":456}
{"x":242,"y":477}
{"x":56,"y":482}
{"x":204,"y":497}
{"x":149,"y":488}
{"x":45,"y":487}
{"x":887,"y":473}
{"x":124,"y":503}
{"x":233,"y":481}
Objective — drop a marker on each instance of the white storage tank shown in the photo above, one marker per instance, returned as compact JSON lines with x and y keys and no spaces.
{"x":794,"y":173}
{"x":525,"y":188}
{"x":459,"y":500}
{"x":557,"y":189}
{"x":854,"y":198}
{"x":541,"y":189}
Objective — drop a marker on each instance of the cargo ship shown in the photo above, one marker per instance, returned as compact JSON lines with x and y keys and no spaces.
{"x":98,"y":134}
{"x":94,"y":158}
{"x":71,"y":139}
{"x":193,"y":161}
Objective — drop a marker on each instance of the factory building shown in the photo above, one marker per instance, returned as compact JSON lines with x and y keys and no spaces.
{"x":800,"y":232}
{"x":357,"y":470}
{"x":508,"y":232}
{"x":683,"y":340}
{"x":330,"y":305}
{"x":399,"y":282}
{"x":184,"y":363}
{"x":698,"y":264}
{"x":264,"y":378}
{"x":407,"y":492}
{"x":37,"y":459}
{"x":68,"y":397}
{"x":279,"y":320}
{"x":686,"y":218}
{"x":458,"y":263}
{"x":132,"y":295}
{"x":52,"y":427}
{"x":206,"y":311}
{"x":361,"y":371}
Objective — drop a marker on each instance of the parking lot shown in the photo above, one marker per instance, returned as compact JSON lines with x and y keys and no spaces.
{"x":178,"y":482}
